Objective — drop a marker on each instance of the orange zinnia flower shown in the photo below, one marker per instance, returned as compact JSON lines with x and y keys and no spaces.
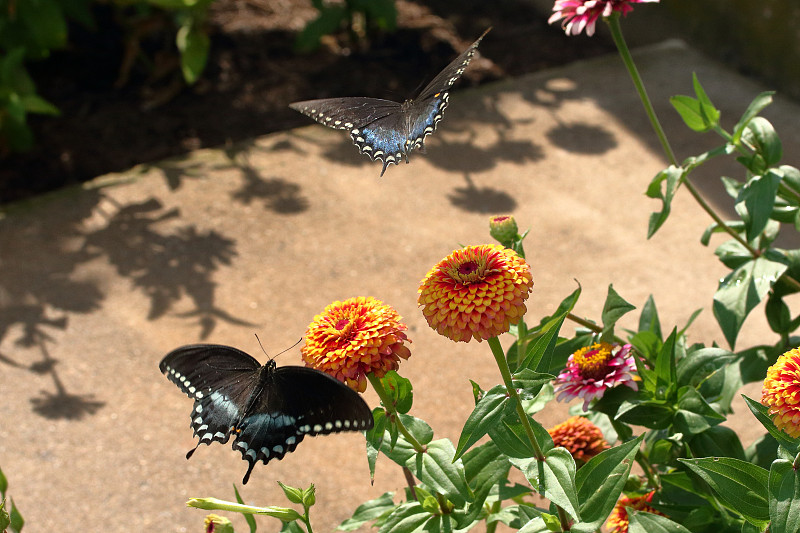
{"x":618,"y":521}
{"x":781,"y":392}
{"x":582,"y":439}
{"x":351,"y":339}
{"x":476,"y":292}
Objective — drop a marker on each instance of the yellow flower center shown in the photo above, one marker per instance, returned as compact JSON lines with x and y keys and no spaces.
{"x":592,"y":360}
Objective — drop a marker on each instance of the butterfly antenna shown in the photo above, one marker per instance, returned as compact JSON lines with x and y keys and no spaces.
{"x":284,"y":351}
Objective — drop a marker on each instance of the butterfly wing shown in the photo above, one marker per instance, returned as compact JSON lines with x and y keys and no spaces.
{"x":427,"y":109}
{"x":376,"y":126}
{"x":295,"y":402}
{"x":220,"y":379}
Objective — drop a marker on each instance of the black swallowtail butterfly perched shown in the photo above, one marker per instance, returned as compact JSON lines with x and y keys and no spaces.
{"x":388,"y":130}
{"x":268,"y":410}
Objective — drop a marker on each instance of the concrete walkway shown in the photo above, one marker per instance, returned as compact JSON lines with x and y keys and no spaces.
{"x":99,"y":283}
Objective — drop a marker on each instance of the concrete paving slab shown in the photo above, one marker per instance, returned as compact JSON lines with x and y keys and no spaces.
{"x":98,"y":283}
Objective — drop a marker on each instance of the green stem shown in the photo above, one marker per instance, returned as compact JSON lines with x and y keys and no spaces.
{"x":502,"y":364}
{"x":394,"y":415}
{"x":627,"y":59}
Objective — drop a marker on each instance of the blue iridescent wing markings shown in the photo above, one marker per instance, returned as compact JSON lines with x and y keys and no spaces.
{"x":386,"y":130}
{"x":267,"y":410}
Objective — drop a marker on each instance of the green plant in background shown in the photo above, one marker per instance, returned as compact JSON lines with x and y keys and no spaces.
{"x":358,"y":16}
{"x":10,"y":517}
{"x":651,"y":399}
{"x":185,"y":19}
{"x":29,"y":30}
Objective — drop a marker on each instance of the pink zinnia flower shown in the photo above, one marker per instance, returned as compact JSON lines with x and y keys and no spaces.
{"x":593,"y":369}
{"x":580,"y":14}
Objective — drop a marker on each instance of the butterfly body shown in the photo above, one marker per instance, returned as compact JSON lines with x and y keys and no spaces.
{"x":387,"y":130}
{"x":268,"y":410}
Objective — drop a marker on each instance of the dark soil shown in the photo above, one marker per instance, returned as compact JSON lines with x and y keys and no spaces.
{"x":253,"y":73}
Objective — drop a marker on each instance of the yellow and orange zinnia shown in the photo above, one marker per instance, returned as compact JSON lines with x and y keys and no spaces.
{"x":781,"y":392}
{"x":618,"y":521}
{"x":476,"y":292}
{"x":582,"y":439}
{"x":356,"y":337}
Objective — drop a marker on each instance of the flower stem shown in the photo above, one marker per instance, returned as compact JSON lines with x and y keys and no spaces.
{"x":627,"y":59}
{"x":502,"y":364}
{"x":395,"y":416}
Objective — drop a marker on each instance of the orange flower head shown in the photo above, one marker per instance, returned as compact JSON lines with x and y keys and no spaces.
{"x":580,"y":437}
{"x":618,"y":521}
{"x":351,"y":339}
{"x":781,"y":392}
{"x":476,"y":292}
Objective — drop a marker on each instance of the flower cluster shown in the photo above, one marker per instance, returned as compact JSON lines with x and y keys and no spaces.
{"x":583,"y":14}
{"x":476,"y":292}
{"x":582,"y":439}
{"x":618,"y":521}
{"x":592,"y":370}
{"x":781,"y":392}
{"x":351,"y":339}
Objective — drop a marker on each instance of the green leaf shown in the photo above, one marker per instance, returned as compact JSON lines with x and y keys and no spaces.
{"x":690,"y":111}
{"x":761,"y":412}
{"x":648,"y":320}
{"x":700,"y":365}
{"x":741,"y":290}
{"x":511,"y":438}
{"x":484,"y":467}
{"x":328,"y":21}
{"x":370,"y":510}
{"x":756,"y":202}
{"x":665,"y":369}
{"x":400,"y":391}
{"x":438,"y":470}
{"x":650,"y":414}
{"x":614,"y":308}
{"x":762,"y":451}
{"x":539,"y":353}
{"x":557,"y":477}
{"x":5,"y":520}
{"x":741,"y":486}
{"x":36,"y":104}
{"x":756,"y":106}
{"x":251,"y":522}
{"x":405,"y":518}
{"x":717,"y":441}
{"x":644,"y":522}
{"x":760,"y":134}
{"x":671,"y":176}
{"x":486,"y":414}
{"x":709,"y":113}
{"x":784,"y":498}
{"x":600,"y":481}
{"x":193,"y":44}
{"x":3,"y":484}
{"x":694,"y":414}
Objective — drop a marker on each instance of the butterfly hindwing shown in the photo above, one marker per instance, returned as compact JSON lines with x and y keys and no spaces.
{"x":386,"y":130}
{"x":268,"y":410}
{"x":219,"y":379}
{"x":297,"y":401}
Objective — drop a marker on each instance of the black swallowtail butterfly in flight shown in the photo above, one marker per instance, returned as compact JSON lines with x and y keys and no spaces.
{"x":388,"y":130}
{"x":267,"y":409}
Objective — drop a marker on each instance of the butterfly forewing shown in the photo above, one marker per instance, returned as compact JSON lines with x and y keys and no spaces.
{"x":268,"y":410}
{"x":220,"y":379}
{"x":386,"y":130}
